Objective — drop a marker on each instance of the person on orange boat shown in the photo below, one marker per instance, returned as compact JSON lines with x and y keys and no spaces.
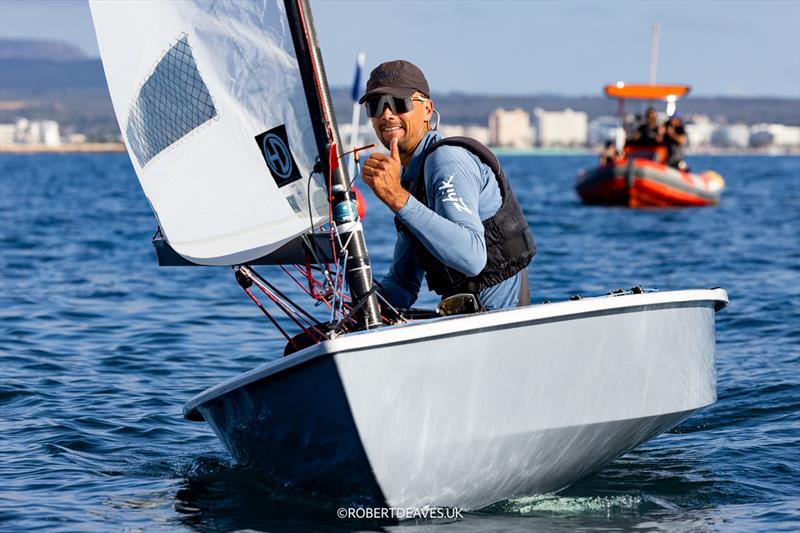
{"x":608,"y":154}
{"x":651,"y":133}
{"x":675,"y":138}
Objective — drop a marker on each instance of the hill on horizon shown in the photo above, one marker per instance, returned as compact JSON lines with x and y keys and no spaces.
{"x":55,"y":80}
{"x":40,"y":49}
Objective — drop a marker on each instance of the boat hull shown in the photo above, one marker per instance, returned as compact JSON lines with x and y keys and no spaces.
{"x":636,"y":182}
{"x":467,"y":411}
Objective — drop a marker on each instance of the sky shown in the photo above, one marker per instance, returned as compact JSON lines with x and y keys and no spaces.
{"x":517,"y":47}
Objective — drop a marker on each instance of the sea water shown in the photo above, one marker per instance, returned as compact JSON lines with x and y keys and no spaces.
{"x":100,"y":348}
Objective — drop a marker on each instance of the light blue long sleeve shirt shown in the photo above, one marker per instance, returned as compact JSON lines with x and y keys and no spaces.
{"x":463,"y":192}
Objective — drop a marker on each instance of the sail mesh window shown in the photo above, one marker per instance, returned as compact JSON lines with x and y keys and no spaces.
{"x":172,"y":101}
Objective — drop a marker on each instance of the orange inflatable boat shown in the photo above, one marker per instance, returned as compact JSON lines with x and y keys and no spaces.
{"x":638,"y":181}
{"x":640,"y":178}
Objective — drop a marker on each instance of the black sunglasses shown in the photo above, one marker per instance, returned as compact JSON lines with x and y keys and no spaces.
{"x":375,"y":106}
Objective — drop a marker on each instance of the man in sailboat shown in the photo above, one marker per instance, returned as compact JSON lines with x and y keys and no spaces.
{"x":458,"y":222}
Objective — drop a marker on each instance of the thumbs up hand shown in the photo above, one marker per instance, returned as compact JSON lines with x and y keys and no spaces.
{"x":382,"y":175}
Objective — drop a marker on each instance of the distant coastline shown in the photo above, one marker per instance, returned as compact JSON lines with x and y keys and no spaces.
{"x":65,"y":148}
{"x":118,"y":147}
{"x":705,"y":151}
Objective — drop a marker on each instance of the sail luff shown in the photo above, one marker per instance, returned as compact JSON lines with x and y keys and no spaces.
{"x":359,"y":272}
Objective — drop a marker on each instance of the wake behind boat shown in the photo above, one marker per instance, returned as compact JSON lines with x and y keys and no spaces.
{"x":225,"y":111}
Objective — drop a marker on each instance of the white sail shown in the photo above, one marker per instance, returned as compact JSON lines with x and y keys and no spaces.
{"x":212,"y":109}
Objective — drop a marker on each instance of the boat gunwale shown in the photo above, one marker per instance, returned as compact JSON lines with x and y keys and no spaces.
{"x":465,"y":324}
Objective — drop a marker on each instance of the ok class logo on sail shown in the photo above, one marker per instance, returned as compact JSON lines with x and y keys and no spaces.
{"x":274,"y":146}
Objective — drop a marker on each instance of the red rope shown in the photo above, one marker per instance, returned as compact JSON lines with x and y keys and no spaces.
{"x":308,"y":274}
{"x":332,"y":160}
{"x":264,"y":310}
{"x":313,"y":293}
{"x":285,"y":308}
{"x":288,"y":311}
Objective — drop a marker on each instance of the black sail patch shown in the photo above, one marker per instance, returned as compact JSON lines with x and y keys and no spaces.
{"x":274,"y":146}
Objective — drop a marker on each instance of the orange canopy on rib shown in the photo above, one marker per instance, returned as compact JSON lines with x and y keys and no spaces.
{"x":634,"y":91}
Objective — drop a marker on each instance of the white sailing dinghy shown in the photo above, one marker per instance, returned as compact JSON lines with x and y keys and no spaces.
{"x":225,"y":111}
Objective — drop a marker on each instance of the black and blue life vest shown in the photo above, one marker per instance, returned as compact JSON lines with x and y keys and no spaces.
{"x":509,"y":242}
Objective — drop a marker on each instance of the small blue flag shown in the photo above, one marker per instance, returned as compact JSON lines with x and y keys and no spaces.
{"x":357,"y":81}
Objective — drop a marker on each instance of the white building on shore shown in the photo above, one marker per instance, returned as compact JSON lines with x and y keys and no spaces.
{"x":479,"y":133}
{"x":50,"y":134}
{"x":561,"y":128}
{"x":731,"y":136}
{"x":510,"y":129}
{"x":8,"y":133}
{"x":699,"y":130}
{"x":778,"y":135}
{"x":37,"y":132}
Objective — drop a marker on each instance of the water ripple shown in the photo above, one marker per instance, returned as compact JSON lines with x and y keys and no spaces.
{"x":99,"y":349}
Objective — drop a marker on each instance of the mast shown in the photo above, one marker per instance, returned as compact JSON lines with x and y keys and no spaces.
{"x":654,"y":52}
{"x":358,"y":271}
